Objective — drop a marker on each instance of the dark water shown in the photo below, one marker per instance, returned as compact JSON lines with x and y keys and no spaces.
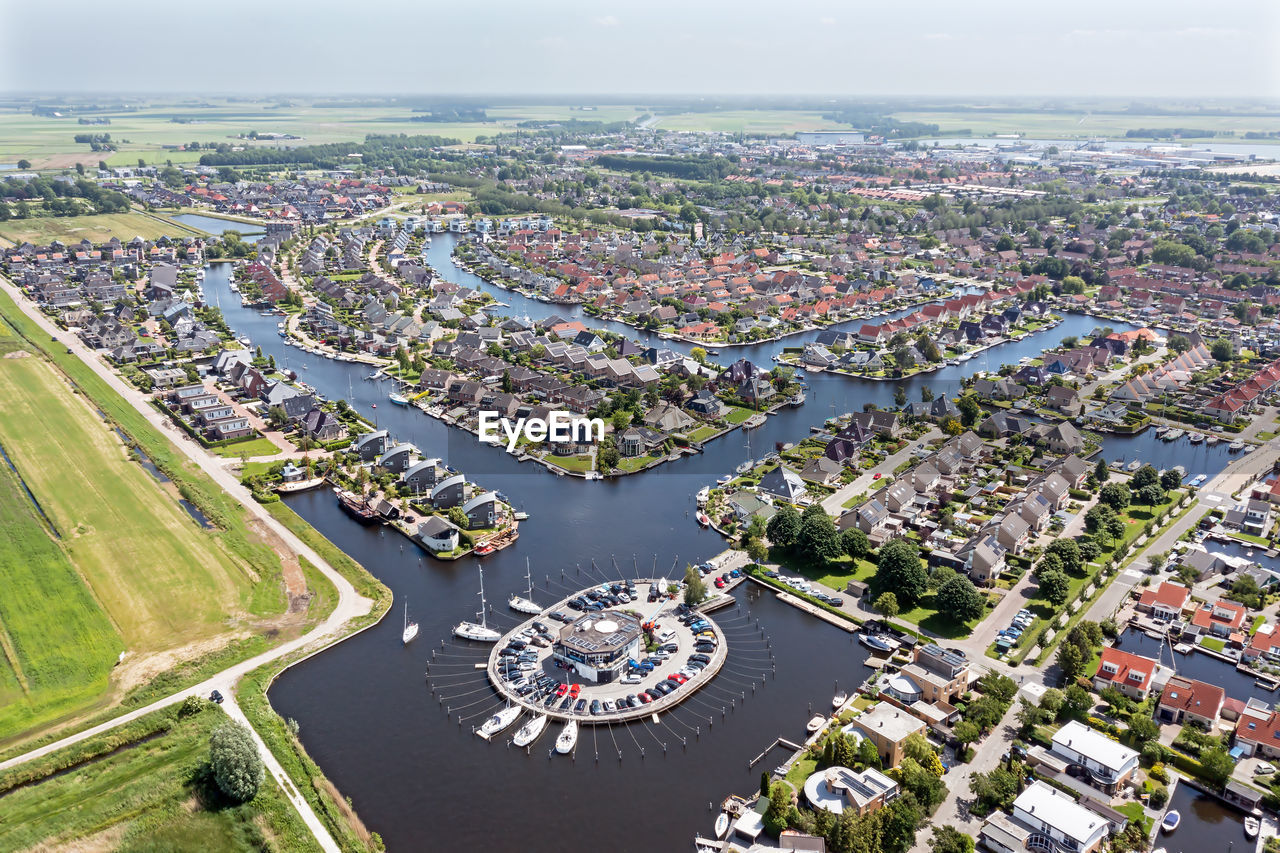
{"x":367,"y":713}
{"x":1196,"y":458}
{"x":1199,"y":666}
{"x":249,"y":233}
{"x":196,"y":514}
{"x":1208,"y":825}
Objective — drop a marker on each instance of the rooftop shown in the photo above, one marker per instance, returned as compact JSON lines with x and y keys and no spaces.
{"x":1059,"y":811}
{"x":1097,"y":746}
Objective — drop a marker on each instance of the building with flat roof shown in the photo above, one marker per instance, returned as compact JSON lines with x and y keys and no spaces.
{"x":1109,"y":763}
{"x":888,"y":728}
{"x":598,"y":646}
{"x":839,"y":788}
{"x":1045,"y":818}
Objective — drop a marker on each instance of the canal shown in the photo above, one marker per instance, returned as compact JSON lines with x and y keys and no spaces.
{"x":1197,"y":665}
{"x":1208,"y":825}
{"x":367,"y":713}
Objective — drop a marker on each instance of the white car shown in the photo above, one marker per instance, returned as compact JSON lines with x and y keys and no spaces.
{"x":630,"y":679}
{"x":1264,"y":769}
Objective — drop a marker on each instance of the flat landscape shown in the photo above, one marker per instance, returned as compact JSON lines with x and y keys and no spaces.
{"x":119,"y":564}
{"x":96,"y":228}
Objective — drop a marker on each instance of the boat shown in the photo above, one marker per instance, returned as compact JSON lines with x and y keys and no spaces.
{"x":704,"y":494}
{"x":745,"y":466}
{"x":1196,"y":437}
{"x":724,"y":480}
{"x":703,"y":519}
{"x":722,"y":825}
{"x":816,"y":723}
{"x":499,"y":721}
{"x":300,"y":485}
{"x":754,"y":422}
{"x":797,"y":400}
{"x":1249,"y":448}
{"x":520,"y":515}
{"x":568,"y":738}
{"x":1182,"y":472}
{"x":1171,"y":820}
{"x":398,"y":399}
{"x":1160,"y":431}
{"x":1133,"y":466}
{"x":1174,"y":434}
{"x":1211,"y":439}
{"x":839,"y":699}
{"x":525,"y":603}
{"x":1236,"y":446}
{"x":1251,"y":826}
{"x":480,"y":632}
{"x":529,"y":731}
{"x":875,"y":642}
{"x":1198,"y":479}
{"x":356,"y":506}
{"x":484,"y":549}
{"x":953,"y":362}
{"x":410,"y":628}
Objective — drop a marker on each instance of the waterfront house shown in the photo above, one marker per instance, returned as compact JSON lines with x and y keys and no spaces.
{"x":1164,"y":602}
{"x":783,"y":483}
{"x":1265,"y":642}
{"x":879,"y":422}
{"x":1188,"y":700}
{"x":437,"y":534}
{"x":421,"y":477}
{"x":1258,"y":730}
{"x":1045,"y":818}
{"x":1131,"y":674}
{"x":888,"y":727}
{"x":837,"y":789}
{"x":821,"y":470}
{"x":1221,"y":618}
{"x":1110,"y":764}
{"x":938,"y":676}
{"x":449,"y":492}
{"x":481,"y":510}
{"x":398,"y":458}
{"x":323,"y":426}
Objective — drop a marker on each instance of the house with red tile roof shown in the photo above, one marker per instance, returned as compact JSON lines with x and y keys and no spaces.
{"x":1165,"y":601}
{"x":1265,"y":642}
{"x":1188,"y":700}
{"x":1130,"y":674}
{"x":1258,"y":732}
{"x":1221,"y":618}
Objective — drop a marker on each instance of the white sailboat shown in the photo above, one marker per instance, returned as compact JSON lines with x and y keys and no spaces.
{"x":480,"y":632}
{"x":529,"y":731}
{"x":410,"y":628}
{"x":499,"y":721}
{"x":525,"y":604}
{"x":568,"y":738}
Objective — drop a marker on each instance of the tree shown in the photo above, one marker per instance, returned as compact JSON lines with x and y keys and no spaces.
{"x":1068,"y":552}
{"x":1055,"y":586}
{"x":917,"y":748}
{"x":234,"y":760}
{"x":1095,"y":520}
{"x":1071,"y":661}
{"x":855,"y":543}
{"x":818,"y":535}
{"x":779,"y":810}
{"x":959,"y":598}
{"x":694,"y":589}
{"x":867,"y":753}
{"x":899,"y":570}
{"x":948,"y":839}
{"x":276,"y":417}
{"x":698,"y":354}
{"x":756,"y":549}
{"x":1029,"y":715}
{"x":784,"y":527}
{"x":1144,"y":476}
{"x":1221,"y":350}
{"x":764,"y":784}
{"x":970,"y":411}
{"x":994,"y":790}
{"x":923,"y":784}
{"x":1101,"y":472}
{"x":24,"y":165}
{"x":1151,"y":495}
{"x":1051,"y":701}
{"x":1115,"y":495}
{"x":1217,"y":765}
{"x":900,"y":396}
{"x":887,"y":605}
{"x":1179,"y":343}
{"x":1076,"y":700}
{"x":1143,"y":728}
{"x":1170,"y":480}
{"x":898,"y":822}
{"x":966,"y":733}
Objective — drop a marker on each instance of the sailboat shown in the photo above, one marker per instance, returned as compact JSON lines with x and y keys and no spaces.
{"x":750,"y":463}
{"x":568,"y":738}
{"x":525,"y":604}
{"x":839,"y":699}
{"x":529,"y":731}
{"x":480,"y":632}
{"x":499,"y":721}
{"x":410,"y":628}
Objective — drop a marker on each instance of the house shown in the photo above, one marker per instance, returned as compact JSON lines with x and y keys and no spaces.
{"x":1258,"y":730}
{"x":899,"y":496}
{"x":437,"y":534}
{"x":421,"y":477}
{"x":888,"y":727}
{"x":1188,"y":700}
{"x":1164,"y":602}
{"x":821,"y":470}
{"x":1265,"y":642}
{"x":1110,"y":764}
{"x":1221,"y":618}
{"x":984,"y":559}
{"x":1064,"y":399}
{"x":1062,"y":438}
{"x":879,"y":422}
{"x":1129,"y":673}
{"x":323,"y":426}
{"x":1045,"y":818}
{"x":668,"y":418}
{"x":481,"y":510}
{"x":837,"y":789}
{"x":449,"y":492}
{"x":783,"y":483}
{"x":1013,"y":533}
{"x":936,"y":675}
{"x":706,"y":404}
{"x":871,"y":517}
{"x":398,"y":458}
{"x":371,"y":446}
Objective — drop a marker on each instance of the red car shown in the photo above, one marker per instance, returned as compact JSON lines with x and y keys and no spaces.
{"x":645,"y":698}
{"x":677,"y":678}
{"x":575,"y":689}
{"x":562,"y":689}
{"x":719,"y":584}
{"x":877,"y":476}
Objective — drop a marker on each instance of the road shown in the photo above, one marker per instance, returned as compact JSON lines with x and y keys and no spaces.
{"x":834,"y":503}
{"x":350,"y":605}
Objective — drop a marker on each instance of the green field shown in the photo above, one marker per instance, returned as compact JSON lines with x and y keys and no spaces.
{"x":1072,"y":125}
{"x":248,"y":449}
{"x":749,"y":121}
{"x":97,"y":228}
{"x":144,"y":787}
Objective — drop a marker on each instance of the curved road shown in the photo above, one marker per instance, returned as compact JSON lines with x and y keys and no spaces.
{"x":351,"y":604}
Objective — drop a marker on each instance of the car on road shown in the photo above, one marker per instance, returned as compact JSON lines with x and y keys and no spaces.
{"x":876,"y":476}
{"x":216,"y":697}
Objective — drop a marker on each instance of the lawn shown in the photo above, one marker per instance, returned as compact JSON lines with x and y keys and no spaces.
{"x":636,"y":463}
{"x":702,"y":433}
{"x":570,"y":463}
{"x":737,"y":415}
{"x":97,"y":228}
{"x":249,"y":449}
{"x":143,"y":788}
{"x":1215,"y":644}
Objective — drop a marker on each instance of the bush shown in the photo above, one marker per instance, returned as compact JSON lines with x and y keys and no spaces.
{"x":1159,"y":796}
{"x":234,"y":760}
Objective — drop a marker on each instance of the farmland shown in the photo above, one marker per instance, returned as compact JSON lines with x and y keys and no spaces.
{"x":142,"y":787}
{"x":96,"y":228}
{"x":122,"y":565}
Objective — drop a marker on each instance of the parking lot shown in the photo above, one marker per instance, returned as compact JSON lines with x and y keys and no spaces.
{"x":691,"y":651}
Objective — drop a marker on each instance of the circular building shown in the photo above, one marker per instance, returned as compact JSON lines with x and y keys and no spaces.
{"x":838,"y":788}
{"x":598,"y":646}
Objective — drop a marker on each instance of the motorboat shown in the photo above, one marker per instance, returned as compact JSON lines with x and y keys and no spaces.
{"x":704,"y":519}
{"x":1198,"y":479}
{"x":568,"y":738}
{"x":1161,"y":430}
{"x":410,"y":628}
{"x":839,"y":699}
{"x":484,"y":549}
{"x":1174,"y":434}
{"x":1236,"y":446}
{"x":704,"y":494}
{"x":1171,"y":820}
{"x":724,"y":480}
{"x":745,"y":466}
{"x":530,"y":731}
{"x":722,"y":825}
{"x":1133,"y":466}
{"x":1251,"y":826}
{"x":1249,"y":448}
{"x":1196,"y":437}
{"x":1211,"y":439}
{"x":816,"y":723}
{"x":876,"y":642}
{"x":525,"y":603}
{"x":398,"y":399}
{"x":499,"y":721}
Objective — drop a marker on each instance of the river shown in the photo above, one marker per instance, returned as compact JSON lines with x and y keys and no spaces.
{"x":367,"y":714}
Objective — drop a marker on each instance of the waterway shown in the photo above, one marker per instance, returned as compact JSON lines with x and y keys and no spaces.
{"x":1199,"y":666}
{"x":1208,"y":825}
{"x":249,"y":232}
{"x":365,"y":709}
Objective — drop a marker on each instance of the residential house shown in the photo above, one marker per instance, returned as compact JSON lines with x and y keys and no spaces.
{"x":1187,"y":700}
{"x":1129,"y":673}
{"x":1110,"y":764}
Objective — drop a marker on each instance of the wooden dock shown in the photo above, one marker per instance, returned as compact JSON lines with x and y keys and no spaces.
{"x":814,"y":610}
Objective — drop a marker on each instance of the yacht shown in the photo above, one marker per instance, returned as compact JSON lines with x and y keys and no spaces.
{"x":1174,"y":434}
{"x":1161,"y":430}
{"x":876,"y":642}
{"x":816,"y":723}
{"x":722,"y":825}
{"x":499,"y":721}
{"x":1211,"y":439}
{"x":398,"y":399}
{"x":525,"y":603}
{"x":568,"y":738}
{"x":1171,"y":820}
{"x":529,"y":731}
{"x":839,"y":699}
{"x":1251,"y":826}
{"x":479,"y":632}
{"x":1236,"y":446}
{"x":1196,"y":437}
{"x":410,"y":628}
{"x":1133,"y":466}
{"x":704,"y":494}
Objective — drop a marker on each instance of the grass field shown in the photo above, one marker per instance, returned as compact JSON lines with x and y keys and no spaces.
{"x":749,"y":121}
{"x":145,"y":787}
{"x":1070,"y":125}
{"x":248,"y":449}
{"x":97,"y":228}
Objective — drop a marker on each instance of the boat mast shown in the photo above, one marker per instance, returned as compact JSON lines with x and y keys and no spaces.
{"x":483,"y":624}
{"x":528,"y":575}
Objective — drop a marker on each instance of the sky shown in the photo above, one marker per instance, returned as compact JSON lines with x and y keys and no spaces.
{"x":943,"y":48}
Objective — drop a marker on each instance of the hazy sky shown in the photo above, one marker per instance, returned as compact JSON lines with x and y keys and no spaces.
{"x":896,"y":47}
